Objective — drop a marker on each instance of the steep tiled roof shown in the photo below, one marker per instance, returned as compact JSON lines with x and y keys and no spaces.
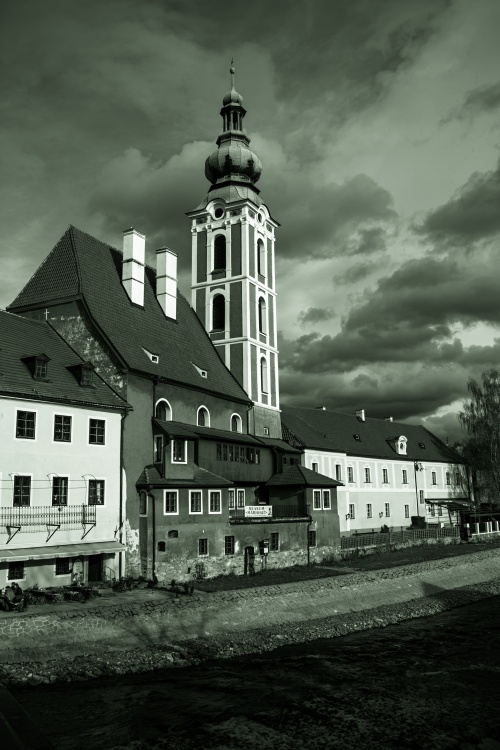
{"x":21,"y":338}
{"x":326,"y":430}
{"x":280,"y":445}
{"x":81,"y":266}
{"x":192,"y":432}
{"x":299,"y":476}
{"x":201,"y":478}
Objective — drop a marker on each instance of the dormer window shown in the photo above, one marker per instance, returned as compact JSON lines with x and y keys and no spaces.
{"x":84,"y":373}
{"x":38,"y":366}
{"x":400,"y":445}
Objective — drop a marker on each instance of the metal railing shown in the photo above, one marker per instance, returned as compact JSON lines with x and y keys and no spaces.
{"x":376,"y":539}
{"x":50,"y":515}
{"x":278,"y":511}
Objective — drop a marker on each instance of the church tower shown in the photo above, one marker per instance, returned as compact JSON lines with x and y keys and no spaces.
{"x":233,"y":269}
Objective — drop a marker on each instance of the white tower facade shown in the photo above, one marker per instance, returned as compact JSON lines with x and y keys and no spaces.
{"x":233,"y":268}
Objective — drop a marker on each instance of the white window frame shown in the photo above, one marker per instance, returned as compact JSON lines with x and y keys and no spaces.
{"x":404,"y":476}
{"x":195,"y":512}
{"x":338,"y":472}
{"x":62,"y":414}
{"x":207,"y":553}
{"x":369,"y":510}
{"x":210,"y":328}
{"x":164,"y":400}
{"x":434,"y":478}
{"x":315,"y":464}
{"x":24,"y":474}
{"x":61,"y":575}
{"x":238,"y":490}
{"x":172,"y":452}
{"x":320,"y":507}
{"x":100,"y":418}
{"x":350,"y":472}
{"x":170,"y":513}
{"x":219,"y":493}
{"x":207,"y":416}
{"x":233,"y":506}
{"x":265,"y":315}
{"x":352,"y":511}
{"x":97,"y":479}
{"x":387,"y":508}
{"x":385,"y":475}
{"x":407,"y":511}
{"x":155,"y":439}
{"x":369,"y":475}
{"x":329,"y":493}
{"x":27,"y":439}
{"x":239,"y":421}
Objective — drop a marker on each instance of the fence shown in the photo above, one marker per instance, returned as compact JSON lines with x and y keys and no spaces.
{"x":51,"y":515}
{"x":378,"y":539}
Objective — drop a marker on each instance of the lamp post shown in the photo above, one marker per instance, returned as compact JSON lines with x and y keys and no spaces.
{"x":417,"y":466}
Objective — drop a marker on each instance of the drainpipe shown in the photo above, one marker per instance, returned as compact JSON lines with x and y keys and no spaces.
{"x":308,"y":529}
{"x":148,"y":488}
{"x":121,"y":511}
{"x":416,"y":468}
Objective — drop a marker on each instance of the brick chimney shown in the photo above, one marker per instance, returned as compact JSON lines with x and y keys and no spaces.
{"x":134,"y":257}
{"x":166,"y":281}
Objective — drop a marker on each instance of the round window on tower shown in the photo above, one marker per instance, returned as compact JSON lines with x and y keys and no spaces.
{"x":260,"y":217}
{"x":219,"y":213}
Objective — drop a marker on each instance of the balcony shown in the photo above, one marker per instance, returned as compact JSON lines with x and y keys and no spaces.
{"x":277,"y":513}
{"x":50,"y":517}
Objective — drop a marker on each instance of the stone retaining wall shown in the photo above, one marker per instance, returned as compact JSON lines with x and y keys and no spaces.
{"x":154,"y":624}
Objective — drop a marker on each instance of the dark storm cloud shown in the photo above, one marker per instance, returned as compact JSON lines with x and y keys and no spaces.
{"x":356,"y":272}
{"x":315,"y":315}
{"x":370,"y":241}
{"x":471,"y":215}
{"x":478,"y":100}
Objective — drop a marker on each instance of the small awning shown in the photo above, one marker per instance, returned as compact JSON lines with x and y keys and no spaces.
{"x":457,"y":503}
{"x":61,"y":550}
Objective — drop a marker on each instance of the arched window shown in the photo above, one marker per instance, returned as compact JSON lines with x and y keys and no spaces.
{"x":220,"y":253}
{"x":262,"y":315}
{"x":236,"y":423}
{"x":203,"y":418}
{"x":218,"y":313}
{"x":261,"y":258}
{"x":264,"y":385}
{"x":163,"y":410}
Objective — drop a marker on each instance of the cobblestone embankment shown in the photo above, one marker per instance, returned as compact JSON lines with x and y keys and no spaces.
{"x":96,"y":640}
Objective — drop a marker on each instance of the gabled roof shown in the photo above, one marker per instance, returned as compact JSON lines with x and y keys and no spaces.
{"x":193,"y":432}
{"x":201,"y":478}
{"x":22,"y":338}
{"x":299,"y":476}
{"x":326,"y":430}
{"x":82,"y":267}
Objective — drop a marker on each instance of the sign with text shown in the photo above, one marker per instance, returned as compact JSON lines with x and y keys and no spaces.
{"x":258,"y":511}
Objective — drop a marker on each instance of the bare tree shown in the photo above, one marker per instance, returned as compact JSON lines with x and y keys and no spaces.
{"x":481,"y":450}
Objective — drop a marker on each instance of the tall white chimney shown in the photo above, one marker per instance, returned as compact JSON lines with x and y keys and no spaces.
{"x":360,"y":413}
{"x":134,"y":258}
{"x":166,"y":281}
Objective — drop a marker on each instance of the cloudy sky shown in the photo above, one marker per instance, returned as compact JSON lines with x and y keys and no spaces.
{"x":377,"y":122}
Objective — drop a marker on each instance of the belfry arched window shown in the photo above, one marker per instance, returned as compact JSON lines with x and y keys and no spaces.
{"x":220,"y":253}
{"x":163,"y":410}
{"x":236,"y":423}
{"x":264,"y":376}
{"x":218,"y":313}
{"x":261,"y":258}
{"x":262,"y":315}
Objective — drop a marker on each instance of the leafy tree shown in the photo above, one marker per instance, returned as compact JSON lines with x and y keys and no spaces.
{"x":481,"y":418}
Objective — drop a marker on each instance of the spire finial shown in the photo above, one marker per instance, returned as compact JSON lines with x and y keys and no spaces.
{"x":232,"y":71}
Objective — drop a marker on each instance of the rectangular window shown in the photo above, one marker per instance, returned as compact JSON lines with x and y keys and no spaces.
{"x":41,"y":369}
{"x":62,"y":428}
{"x":143,"y":504}
{"x":224,"y":452}
{"x":385,"y":476}
{"x":338,"y":472}
{"x":326,"y":500}
{"x":62,"y":566}
{"x":25,"y":425}
{"x":350,"y":474}
{"x":171,"y":502}
{"x":440,"y":510}
{"x":387,"y":510}
{"x":274,"y":541}
{"x":421,"y":496}
{"x":317,"y":499}
{"x":311,"y":538}
{"x":433,"y":510}
{"x":250,"y":455}
{"x":178,"y":451}
{"x":231,"y":503}
{"x":22,"y":490}
{"x":367,"y":476}
{"x":368,"y":510}
{"x":241,"y":498}
{"x":448,"y":477}
{"x":195,"y":501}
{"x":352,"y":511}
{"x":202,"y":547}
{"x":315,"y":467}
{"x":16,"y":571}
{"x":229,"y":545}
{"x":219,"y":452}
{"x":434,"y":478}
{"x":158,"y":453}
{"x":96,"y":491}
{"x":405,"y":476}
{"x":215,"y":504}
{"x":407,"y":511}
{"x":96,"y":432}
{"x":230,"y":453}
{"x":59,"y":490}
{"x":257,"y":456}
{"x":242,"y":455}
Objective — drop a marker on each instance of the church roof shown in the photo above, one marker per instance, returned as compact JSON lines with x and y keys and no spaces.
{"x":22,"y":340}
{"x":200,"y":478}
{"x":299,"y":476}
{"x":82,"y":267}
{"x":326,"y":430}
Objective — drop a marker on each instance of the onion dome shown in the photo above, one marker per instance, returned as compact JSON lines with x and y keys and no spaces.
{"x":233,"y":162}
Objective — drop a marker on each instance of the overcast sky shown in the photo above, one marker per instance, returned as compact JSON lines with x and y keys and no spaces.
{"x":377,"y":123}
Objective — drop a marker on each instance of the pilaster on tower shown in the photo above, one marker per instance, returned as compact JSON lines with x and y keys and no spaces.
{"x":233,"y":267}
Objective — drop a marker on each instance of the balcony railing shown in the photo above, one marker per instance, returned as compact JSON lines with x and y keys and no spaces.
{"x":278,"y":511}
{"x":50,"y":515}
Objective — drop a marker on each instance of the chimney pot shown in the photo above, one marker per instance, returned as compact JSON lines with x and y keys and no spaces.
{"x":166,"y":281}
{"x":134,"y":258}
